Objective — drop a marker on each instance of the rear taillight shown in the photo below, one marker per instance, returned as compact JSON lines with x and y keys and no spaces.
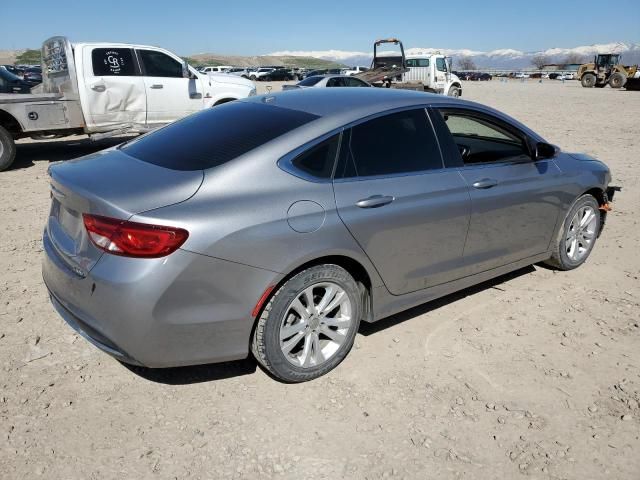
{"x":131,"y":239}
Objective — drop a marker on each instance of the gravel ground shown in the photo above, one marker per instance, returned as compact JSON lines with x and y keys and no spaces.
{"x":534,"y":374}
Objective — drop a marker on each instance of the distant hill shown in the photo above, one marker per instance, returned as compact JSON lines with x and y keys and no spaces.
{"x":8,"y":57}
{"x":256,"y":61}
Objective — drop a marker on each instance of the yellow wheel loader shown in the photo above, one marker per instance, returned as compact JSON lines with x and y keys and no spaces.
{"x":607,"y":69}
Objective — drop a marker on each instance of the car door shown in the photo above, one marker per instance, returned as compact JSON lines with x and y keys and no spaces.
{"x":113,"y":92}
{"x":407,"y":212}
{"x":515,"y":199}
{"x":170,"y":96}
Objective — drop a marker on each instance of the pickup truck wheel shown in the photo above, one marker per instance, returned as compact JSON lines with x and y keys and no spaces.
{"x":309,"y":324}
{"x":578,"y":234}
{"x":7,"y":149}
{"x":454,"y":92}
{"x":253,"y":77}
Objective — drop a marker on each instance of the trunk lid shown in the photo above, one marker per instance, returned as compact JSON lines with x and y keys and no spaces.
{"x":112,"y":184}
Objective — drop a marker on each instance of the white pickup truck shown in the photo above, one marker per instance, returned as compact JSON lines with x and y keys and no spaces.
{"x":104,"y":89}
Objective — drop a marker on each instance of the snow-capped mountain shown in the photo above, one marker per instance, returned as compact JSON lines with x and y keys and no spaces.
{"x":506,"y":58}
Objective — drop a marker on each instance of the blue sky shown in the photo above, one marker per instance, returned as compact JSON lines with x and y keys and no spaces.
{"x":246,"y":27}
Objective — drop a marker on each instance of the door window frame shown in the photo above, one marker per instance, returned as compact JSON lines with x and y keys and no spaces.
{"x":453,"y":157}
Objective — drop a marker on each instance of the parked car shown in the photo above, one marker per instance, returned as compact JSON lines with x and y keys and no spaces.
{"x":569,"y":76}
{"x":10,"y":83}
{"x":278,"y":74}
{"x":326,"y":71}
{"x":239,"y":71}
{"x":485,"y":76}
{"x":522,"y":75}
{"x":555,"y":76}
{"x":218,"y":69}
{"x":320,"y":81}
{"x":353,"y":70}
{"x":33,"y":76}
{"x":261,"y":72}
{"x":278,"y":223}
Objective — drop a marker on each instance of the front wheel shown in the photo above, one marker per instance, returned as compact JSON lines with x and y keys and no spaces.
{"x":309,"y":325}
{"x":588,"y":80}
{"x":617,"y":80}
{"x":453,"y":92}
{"x":7,"y":149}
{"x":577,"y":235}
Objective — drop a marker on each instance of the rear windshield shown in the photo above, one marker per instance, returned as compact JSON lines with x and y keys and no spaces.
{"x":307,"y":82}
{"x":216,"y":135}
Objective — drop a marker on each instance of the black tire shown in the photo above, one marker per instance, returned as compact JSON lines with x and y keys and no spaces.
{"x":453,"y":92}
{"x":588,"y":80}
{"x":265,"y":344}
{"x":617,"y":80}
{"x":253,"y":77}
{"x":560,"y":259}
{"x":7,"y":149}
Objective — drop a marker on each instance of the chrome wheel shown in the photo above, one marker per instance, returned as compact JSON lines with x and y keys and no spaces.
{"x":581,"y":233}
{"x":315,"y":324}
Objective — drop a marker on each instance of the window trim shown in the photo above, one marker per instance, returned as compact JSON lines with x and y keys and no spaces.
{"x":490,"y":118}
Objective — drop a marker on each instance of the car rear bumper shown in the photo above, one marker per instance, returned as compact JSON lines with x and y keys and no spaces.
{"x":184,"y":309}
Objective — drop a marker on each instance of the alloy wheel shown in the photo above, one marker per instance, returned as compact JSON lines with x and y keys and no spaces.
{"x":315,"y":324}
{"x":581,"y":233}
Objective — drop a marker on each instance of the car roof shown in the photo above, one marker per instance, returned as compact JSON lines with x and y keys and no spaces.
{"x":360,"y":102}
{"x":339,"y":106}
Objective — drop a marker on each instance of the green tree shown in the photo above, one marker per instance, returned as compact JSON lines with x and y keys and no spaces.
{"x":28,"y":57}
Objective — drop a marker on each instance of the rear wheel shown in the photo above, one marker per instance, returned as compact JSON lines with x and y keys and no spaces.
{"x":454,"y":91}
{"x":309,"y":324}
{"x":578,"y":234}
{"x":7,"y":149}
{"x":617,"y":80}
{"x":588,"y":80}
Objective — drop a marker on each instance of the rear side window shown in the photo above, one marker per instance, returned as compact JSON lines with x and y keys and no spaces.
{"x":216,"y":135}
{"x":158,"y":64}
{"x":113,"y":62}
{"x":418,"y":62}
{"x":318,"y":160}
{"x":399,"y":143}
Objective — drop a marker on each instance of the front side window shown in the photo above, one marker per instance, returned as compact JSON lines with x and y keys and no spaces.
{"x":398,"y":143}
{"x":335,"y":82}
{"x":318,"y":161}
{"x":117,"y":62}
{"x":481,"y":139}
{"x":441,"y":65}
{"x":158,"y":64}
{"x":354,"y":82}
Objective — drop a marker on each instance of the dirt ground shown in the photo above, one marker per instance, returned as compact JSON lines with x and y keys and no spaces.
{"x":536,"y":374}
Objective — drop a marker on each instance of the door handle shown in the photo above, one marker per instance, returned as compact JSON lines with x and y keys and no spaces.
{"x":98,"y":87}
{"x":485,"y":183}
{"x":157,"y":85}
{"x":375,"y":201}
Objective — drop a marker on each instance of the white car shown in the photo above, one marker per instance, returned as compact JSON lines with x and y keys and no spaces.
{"x":522,"y":75}
{"x":219,"y":69}
{"x":261,"y":72}
{"x":353,"y":70}
{"x":569,"y":76}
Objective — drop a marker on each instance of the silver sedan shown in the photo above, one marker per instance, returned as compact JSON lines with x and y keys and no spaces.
{"x":321,"y":81}
{"x":276,"y":224}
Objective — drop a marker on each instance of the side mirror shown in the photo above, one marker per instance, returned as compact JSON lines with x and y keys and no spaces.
{"x":545,"y":150}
